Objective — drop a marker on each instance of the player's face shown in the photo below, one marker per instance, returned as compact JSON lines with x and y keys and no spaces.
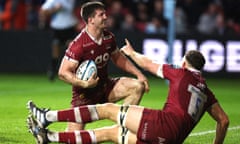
{"x":100,"y":18}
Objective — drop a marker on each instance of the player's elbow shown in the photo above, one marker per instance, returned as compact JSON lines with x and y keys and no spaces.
{"x":61,"y":75}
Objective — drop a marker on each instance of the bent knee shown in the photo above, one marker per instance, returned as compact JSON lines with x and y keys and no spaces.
{"x":139,"y":86}
{"x":225,"y":121}
{"x":109,"y":105}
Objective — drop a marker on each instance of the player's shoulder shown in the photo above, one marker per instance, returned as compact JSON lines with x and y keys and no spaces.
{"x":172,"y":70}
{"x":81,"y":37}
{"x":78,"y":41}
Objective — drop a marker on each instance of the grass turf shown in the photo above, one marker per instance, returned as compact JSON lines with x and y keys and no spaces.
{"x":17,"y":89}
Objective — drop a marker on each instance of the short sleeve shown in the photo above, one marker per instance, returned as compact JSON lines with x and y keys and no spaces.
{"x":74,"y":51}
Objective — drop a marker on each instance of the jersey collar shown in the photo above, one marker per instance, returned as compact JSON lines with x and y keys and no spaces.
{"x":193,"y":70}
{"x":99,"y":42}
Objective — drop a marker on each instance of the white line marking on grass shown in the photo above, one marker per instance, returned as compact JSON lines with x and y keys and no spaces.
{"x":212,"y":131}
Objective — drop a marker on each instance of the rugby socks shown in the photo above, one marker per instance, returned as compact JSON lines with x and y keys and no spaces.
{"x":82,"y":114}
{"x":122,"y":114}
{"x":51,"y":116}
{"x":76,"y":137}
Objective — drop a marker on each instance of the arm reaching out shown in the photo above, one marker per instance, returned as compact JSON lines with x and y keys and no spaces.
{"x":120,"y":60}
{"x":141,"y":60}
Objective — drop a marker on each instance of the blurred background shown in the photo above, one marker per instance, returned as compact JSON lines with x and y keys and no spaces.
{"x":211,"y":26}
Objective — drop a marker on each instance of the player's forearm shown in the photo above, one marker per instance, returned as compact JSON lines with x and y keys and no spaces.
{"x":130,"y":68}
{"x":70,"y":78}
{"x":140,"y":59}
{"x":221,"y":131}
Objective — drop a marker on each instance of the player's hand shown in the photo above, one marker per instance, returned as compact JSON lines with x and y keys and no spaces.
{"x":147,"y":88}
{"x":92,"y":81}
{"x":127,"y":49}
{"x":145,"y":82}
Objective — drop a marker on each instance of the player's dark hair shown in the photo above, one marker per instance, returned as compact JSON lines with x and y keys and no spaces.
{"x":195,"y":59}
{"x":88,"y":9}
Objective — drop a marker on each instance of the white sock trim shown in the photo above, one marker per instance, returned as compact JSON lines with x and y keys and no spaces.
{"x":93,"y":136}
{"x":78,"y":137}
{"x":77,"y":115}
{"x":53,"y":136}
{"x":51,"y":116}
{"x":93,"y":112}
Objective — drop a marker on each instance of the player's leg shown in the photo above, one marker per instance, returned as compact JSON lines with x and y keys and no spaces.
{"x":129,"y":89}
{"x":115,"y":134}
{"x":72,"y":126}
{"x":45,"y":136}
{"x":111,"y":133}
{"x":45,"y":117}
{"x":126,"y":116}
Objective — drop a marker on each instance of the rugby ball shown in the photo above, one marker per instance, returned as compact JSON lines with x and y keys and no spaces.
{"x":86,"y":69}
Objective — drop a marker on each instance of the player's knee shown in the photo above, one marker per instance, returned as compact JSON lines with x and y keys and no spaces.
{"x":111,"y":133}
{"x":225,"y":121}
{"x":108,"y":110}
{"x":109,"y":105}
{"x":139,"y":87}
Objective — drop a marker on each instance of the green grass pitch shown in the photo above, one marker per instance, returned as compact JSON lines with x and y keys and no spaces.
{"x":16,"y":90}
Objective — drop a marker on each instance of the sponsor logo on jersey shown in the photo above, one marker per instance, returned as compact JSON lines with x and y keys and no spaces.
{"x":102,"y":60}
{"x":87,"y":44}
{"x":144,"y":132}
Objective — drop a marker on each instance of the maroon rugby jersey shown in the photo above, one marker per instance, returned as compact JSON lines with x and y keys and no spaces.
{"x":188,"y":98}
{"x":84,"y":47}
